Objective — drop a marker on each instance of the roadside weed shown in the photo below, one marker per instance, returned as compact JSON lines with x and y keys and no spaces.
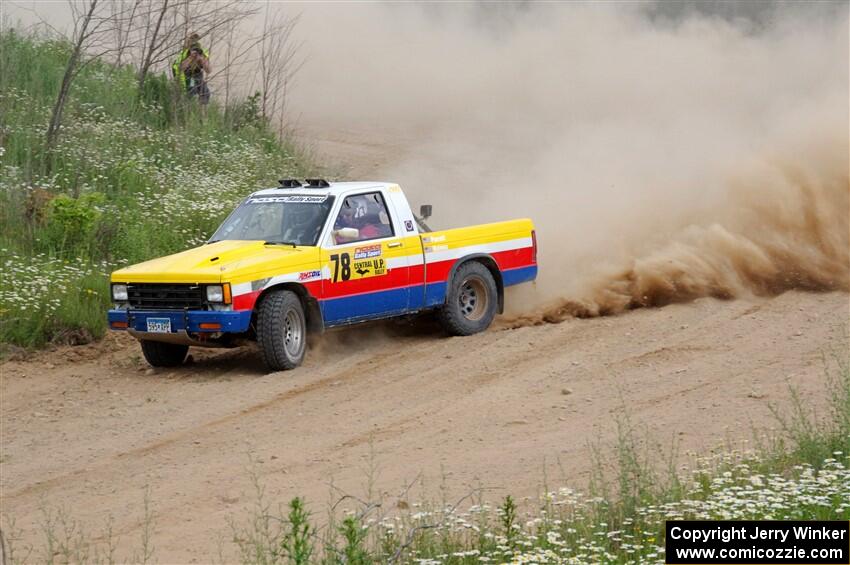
{"x":297,"y":542}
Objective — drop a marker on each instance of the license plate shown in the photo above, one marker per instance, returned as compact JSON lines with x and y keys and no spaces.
{"x":159,"y":325}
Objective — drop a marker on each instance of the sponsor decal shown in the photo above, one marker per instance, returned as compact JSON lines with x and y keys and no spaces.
{"x":309,"y":275}
{"x":368,"y":251}
{"x":408,"y":225}
{"x":376,"y":267}
{"x":433,"y":248}
{"x":302,"y":198}
{"x":343,"y":268}
{"x":434,"y":239}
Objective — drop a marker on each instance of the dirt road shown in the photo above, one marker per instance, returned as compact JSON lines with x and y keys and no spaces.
{"x":89,"y":428}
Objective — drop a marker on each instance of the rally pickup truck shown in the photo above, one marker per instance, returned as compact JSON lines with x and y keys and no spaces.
{"x":309,"y":256}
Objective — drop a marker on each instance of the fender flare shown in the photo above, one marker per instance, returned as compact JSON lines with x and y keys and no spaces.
{"x":488,"y":261}
{"x":315,"y":322}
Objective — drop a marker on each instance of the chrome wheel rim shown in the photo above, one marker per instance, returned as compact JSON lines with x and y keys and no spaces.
{"x":473,"y":299}
{"x":293,"y":333}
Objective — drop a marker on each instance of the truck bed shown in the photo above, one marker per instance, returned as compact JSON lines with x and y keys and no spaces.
{"x":510,"y":244}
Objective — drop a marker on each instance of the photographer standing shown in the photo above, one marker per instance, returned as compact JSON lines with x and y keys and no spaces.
{"x":191,"y":67}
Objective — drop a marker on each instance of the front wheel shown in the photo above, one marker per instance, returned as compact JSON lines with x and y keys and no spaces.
{"x":162,"y":354}
{"x":471,"y":300}
{"x":282,"y":330}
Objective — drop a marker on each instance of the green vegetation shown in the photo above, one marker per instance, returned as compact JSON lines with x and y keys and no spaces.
{"x":131,"y":177}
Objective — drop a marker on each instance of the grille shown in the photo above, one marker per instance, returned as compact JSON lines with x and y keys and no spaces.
{"x":166,"y":296}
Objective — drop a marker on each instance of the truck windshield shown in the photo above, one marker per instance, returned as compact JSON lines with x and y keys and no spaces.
{"x":296,"y":219}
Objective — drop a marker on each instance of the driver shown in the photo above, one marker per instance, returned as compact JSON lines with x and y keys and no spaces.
{"x":303,"y":225}
{"x":345,"y":219}
{"x":368,"y":224}
{"x":371,"y":227}
{"x":264,"y":224}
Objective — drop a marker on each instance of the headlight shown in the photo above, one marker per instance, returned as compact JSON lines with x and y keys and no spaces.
{"x":119,"y":292}
{"x":215,"y":293}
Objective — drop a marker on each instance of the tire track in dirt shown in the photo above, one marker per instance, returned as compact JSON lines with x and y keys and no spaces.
{"x":208,"y":426}
{"x":376,"y":361}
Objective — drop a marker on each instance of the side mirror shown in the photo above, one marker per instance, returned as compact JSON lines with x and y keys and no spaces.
{"x":425,"y":211}
{"x":344,"y":235}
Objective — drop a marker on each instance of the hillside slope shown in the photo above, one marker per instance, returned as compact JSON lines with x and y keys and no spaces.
{"x":133,"y":176}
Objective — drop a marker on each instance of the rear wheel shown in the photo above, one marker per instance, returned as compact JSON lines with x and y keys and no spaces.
{"x":282,"y":330}
{"x":162,"y":354}
{"x":471,"y":300}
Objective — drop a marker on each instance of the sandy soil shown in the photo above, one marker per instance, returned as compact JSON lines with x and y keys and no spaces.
{"x":89,"y":428}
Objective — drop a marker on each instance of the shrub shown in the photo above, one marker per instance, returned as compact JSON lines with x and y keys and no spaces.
{"x":72,"y":222}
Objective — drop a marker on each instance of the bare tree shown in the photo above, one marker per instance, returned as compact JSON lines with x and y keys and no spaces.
{"x":169,"y":22}
{"x":92,"y":26}
{"x":279,"y":60}
{"x":239,"y":59}
{"x":263,"y":63}
{"x":150,"y":33}
{"x":124,"y":19}
{"x":153,"y":44}
{"x":228,"y":66}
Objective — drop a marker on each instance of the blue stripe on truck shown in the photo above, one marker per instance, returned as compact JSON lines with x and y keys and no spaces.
{"x":519,"y":275}
{"x":377,"y":304}
{"x":435,"y":293}
{"x":382,"y":303}
{"x":385,"y":303}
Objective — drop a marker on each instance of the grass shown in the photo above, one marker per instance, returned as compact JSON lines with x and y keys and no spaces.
{"x":133,"y":176}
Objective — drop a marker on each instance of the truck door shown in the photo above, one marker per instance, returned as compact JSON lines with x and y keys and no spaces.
{"x":366,"y":269}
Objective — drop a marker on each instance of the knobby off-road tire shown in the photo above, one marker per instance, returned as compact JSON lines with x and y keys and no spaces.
{"x":471,"y":300}
{"x":282,"y":330}
{"x":161,"y":354}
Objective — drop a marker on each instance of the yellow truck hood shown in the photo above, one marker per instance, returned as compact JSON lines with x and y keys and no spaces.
{"x":219,"y":261}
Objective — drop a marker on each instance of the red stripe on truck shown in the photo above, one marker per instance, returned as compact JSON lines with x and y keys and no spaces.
{"x":398,"y":277}
{"x":438,"y":271}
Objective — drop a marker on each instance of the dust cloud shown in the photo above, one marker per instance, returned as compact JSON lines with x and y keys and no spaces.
{"x":663,"y":157}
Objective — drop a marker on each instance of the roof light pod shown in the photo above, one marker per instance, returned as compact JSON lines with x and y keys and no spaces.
{"x":317,"y":183}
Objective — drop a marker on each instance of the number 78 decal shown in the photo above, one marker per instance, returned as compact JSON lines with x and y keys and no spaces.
{"x":344,"y":270}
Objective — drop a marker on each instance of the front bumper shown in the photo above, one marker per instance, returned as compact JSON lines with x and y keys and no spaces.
{"x":182,"y":321}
